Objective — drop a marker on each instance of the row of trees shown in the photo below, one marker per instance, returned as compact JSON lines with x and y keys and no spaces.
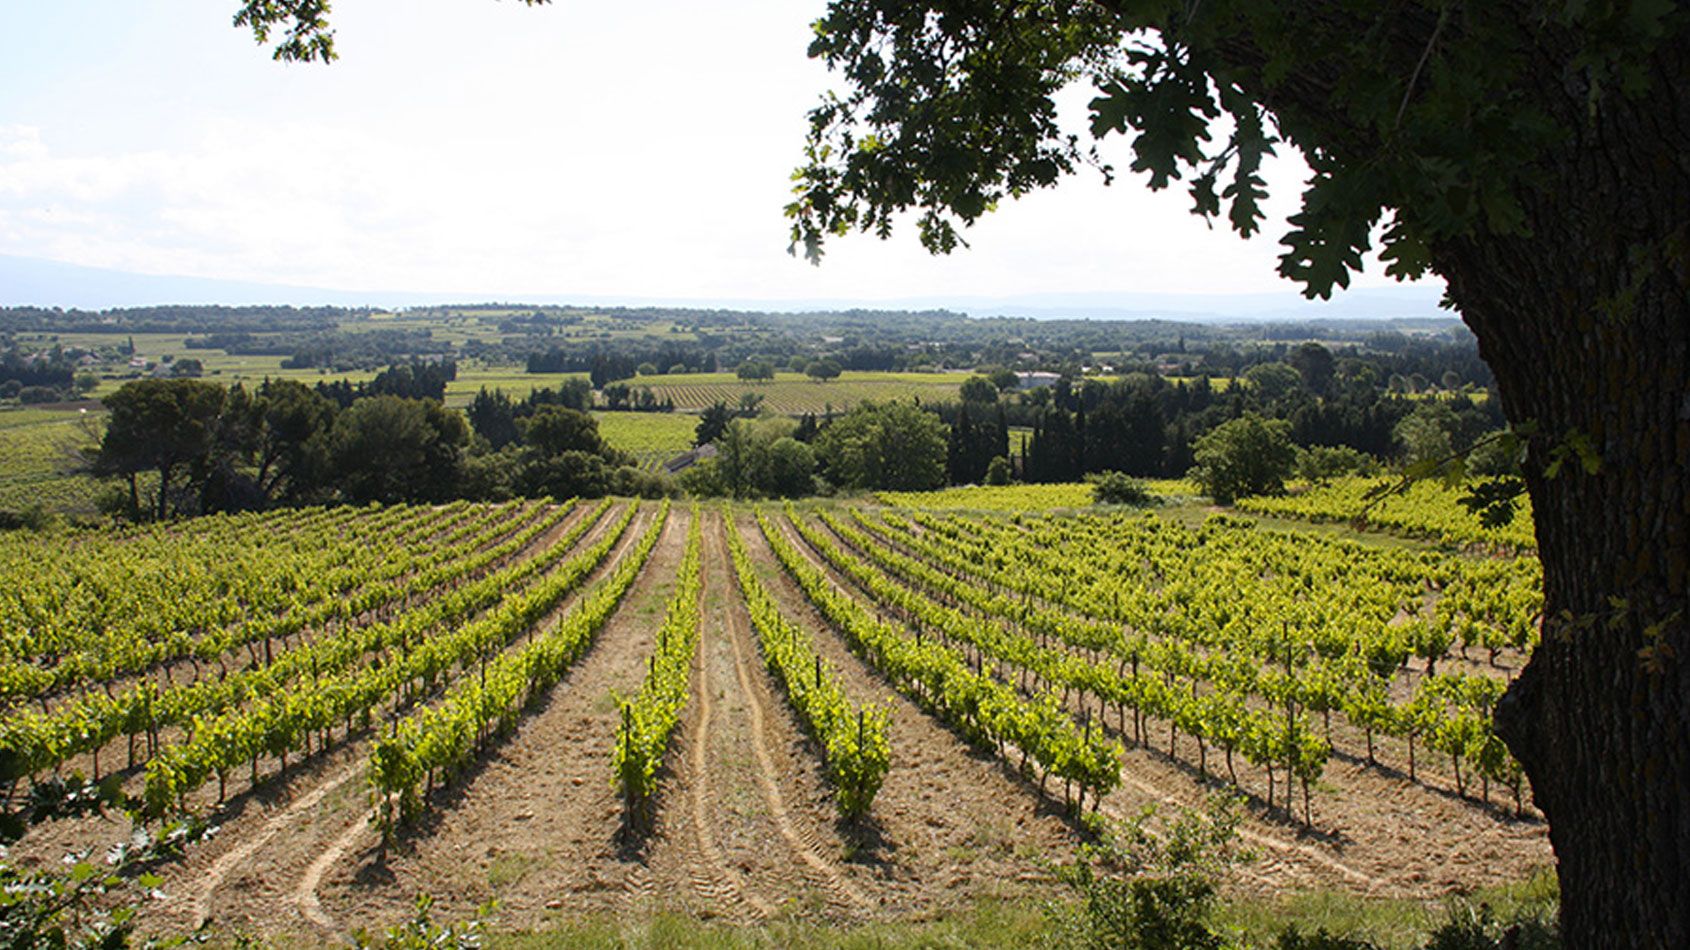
{"x":218,"y":449}
{"x":392,"y":439}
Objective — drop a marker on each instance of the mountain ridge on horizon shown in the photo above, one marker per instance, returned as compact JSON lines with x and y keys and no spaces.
{"x":42,"y":283}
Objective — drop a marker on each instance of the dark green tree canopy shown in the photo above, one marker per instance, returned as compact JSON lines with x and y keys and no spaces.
{"x":159,"y":425}
{"x":1424,"y":117}
{"x":391,"y":449}
{"x":553,"y":430}
{"x":893,"y":445}
{"x":1248,"y":455}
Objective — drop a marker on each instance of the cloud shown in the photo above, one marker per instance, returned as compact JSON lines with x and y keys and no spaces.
{"x":485,"y":149}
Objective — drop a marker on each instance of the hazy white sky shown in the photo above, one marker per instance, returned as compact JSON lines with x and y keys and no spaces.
{"x":481,"y":147}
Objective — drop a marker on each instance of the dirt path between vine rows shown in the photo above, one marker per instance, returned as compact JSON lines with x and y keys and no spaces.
{"x":757,"y":807}
{"x":536,"y":811}
{"x":951,"y":825}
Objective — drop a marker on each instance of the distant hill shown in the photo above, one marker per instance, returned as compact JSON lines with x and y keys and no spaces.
{"x":33,"y":282}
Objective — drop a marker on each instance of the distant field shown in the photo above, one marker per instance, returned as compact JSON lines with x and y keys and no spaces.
{"x":1219,"y":384}
{"x":1025,"y":497}
{"x":996,"y":497}
{"x":511,"y":379}
{"x":654,"y":437}
{"x":795,"y":393}
{"x":38,"y":452}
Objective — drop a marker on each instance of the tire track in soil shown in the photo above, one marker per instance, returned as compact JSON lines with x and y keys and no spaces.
{"x":950,"y":825}
{"x":805,"y":846}
{"x":536,"y":823}
{"x":712,"y":879}
{"x":304,"y":895}
{"x":200,"y":903}
{"x":1374,"y":885}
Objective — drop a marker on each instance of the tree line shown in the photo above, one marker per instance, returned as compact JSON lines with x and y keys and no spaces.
{"x":184,"y":447}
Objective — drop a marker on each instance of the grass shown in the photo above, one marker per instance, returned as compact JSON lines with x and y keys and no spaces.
{"x":38,"y":452}
{"x":518,"y":384}
{"x":990,"y":924}
{"x":1392,"y":924}
{"x":849,"y":376}
{"x":1252,"y":922}
{"x":997,"y":497}
{"x":795,"y":393}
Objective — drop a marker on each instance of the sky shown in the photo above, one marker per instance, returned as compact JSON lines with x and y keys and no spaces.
{"x":497,"y":150}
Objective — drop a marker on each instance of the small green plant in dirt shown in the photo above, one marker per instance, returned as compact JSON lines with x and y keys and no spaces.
{"x":91,"y":903}
{"x":1148,"y":887}
{"x":422,"y":933}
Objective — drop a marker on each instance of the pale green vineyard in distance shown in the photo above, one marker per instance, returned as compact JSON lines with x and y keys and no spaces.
{"x":795,"y":393}
{"x":652,"y":437}
{"x":1426,"y":509}
{"x":1051,"y":497}
{"x":40,"y":449}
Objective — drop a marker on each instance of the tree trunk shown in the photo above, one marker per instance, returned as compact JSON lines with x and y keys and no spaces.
{"x":1587,"y":326}
{"x":163,"y":490}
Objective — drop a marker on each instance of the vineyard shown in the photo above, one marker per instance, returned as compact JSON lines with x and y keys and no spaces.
{"x":848,"y":712}
{"x":796,"y":394}
{"x":37,"y":450}
{"x":1425,"y":509}
{"x":651,"y":437}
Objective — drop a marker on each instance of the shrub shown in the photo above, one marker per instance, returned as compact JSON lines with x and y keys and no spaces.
{"x":1115,"y":488}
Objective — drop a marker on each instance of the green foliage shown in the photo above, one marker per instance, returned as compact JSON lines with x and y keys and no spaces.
{"x":1114,"y":488}
{"x":1477,"y":927}
{"x":853,"y":740}
{"x":1496,"y":455}
{"x":755,"y":370}
{"x":421,"y":932}
{"x":1249,"y":455}
{"x":1422,"y":508}
{"x":91,"y":904}
{"x":553,"y":430}
{"x":999,"y":471}
{"x":979,"y":389}
{"x":1294,"y":939}
{"x":390,"y":449}
{"x":160,"y":425}
{"x":1273,"y":380}
{"x":755,"y":458}
{"x":442,"y":739}
{"x":823,"y":369}
{"x":1426,"y":434}
{"x":938,"y":676}
{"x":894,"y":445}
{"x":639,"y":483}
{"x":1426,"y":123}
{"x":1150,"y":889}
{"x":712,"y":422}
{"x":650,"y":718}
{"x":1322,"y":463}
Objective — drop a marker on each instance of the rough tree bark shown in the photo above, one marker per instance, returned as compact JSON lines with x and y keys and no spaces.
{"x":1587,"y":326}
